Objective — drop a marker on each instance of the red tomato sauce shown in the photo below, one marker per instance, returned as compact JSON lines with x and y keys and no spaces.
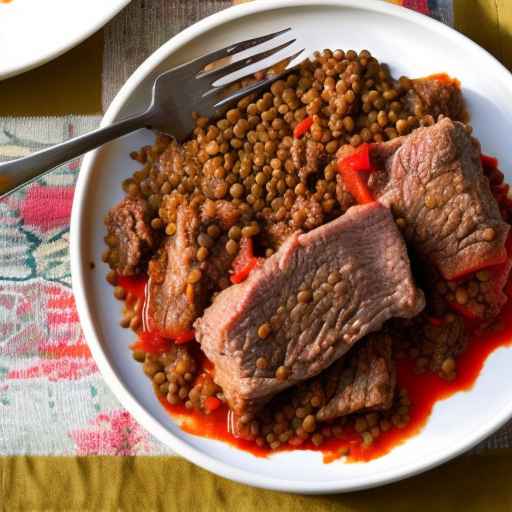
{"x":423,"y":391}
{"x":152,"y":343}
{"x":134,"y":285}
{"x":444,"y":78}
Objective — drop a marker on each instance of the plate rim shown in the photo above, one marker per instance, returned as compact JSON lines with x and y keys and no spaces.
{"x":29,"y":64}
{"x":78,"y":264}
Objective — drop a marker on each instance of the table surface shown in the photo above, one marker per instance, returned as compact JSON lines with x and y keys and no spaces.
{"x":52,"y":399}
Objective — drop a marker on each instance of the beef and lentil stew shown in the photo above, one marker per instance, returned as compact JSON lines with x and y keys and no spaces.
{"x":317,"y":267}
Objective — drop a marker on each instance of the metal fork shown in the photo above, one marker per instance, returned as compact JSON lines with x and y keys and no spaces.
{"x":177,"y":94}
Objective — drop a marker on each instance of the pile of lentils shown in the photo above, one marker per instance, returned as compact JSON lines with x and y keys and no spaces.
{"x":247,"y":157}
{"x":433,"y":343}
{"x":179,"y":378}
{"x":290,"y":419}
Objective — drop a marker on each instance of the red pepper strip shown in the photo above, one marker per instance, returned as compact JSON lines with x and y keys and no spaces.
{"x":152,"y":342}
{"x":133,"y":284}
{"x":352,"y":169}
{"x":302,"y":127}
{"x":357,"y":186}
{"x":359,"y":159}
{"x":155,"y":343}
{"x":212,"y":403}
{"x":244,"y":262}
{"x":489,"y":161}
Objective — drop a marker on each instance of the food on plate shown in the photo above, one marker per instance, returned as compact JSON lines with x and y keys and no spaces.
{"x":130,"y":236}
{"x":364,"y":381}
{"x":306,"y":305}
{"x":434,"y":183}
{"x":318,"y":266}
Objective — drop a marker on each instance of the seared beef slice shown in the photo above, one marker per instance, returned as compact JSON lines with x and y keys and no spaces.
{"x":364,"y":379}
{"x":433,"y":179}
{"x":129,"y":237}
{"x":180,"y":287}
{"x":170,"y":309}
{"x":308,"y":304}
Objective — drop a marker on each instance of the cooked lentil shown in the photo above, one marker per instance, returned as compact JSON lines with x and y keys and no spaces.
{"x":250,"y":158}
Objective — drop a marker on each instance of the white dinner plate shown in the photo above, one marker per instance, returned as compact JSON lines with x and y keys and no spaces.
{"x":411,"y":44}
{"x":33,"y":32}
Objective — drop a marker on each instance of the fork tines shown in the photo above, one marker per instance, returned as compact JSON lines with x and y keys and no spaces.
{"x":255,"y":86}
{"x":232,"y":49}
{"x":213,"y":73}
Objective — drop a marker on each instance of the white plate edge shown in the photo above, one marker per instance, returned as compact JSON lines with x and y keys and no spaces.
{"x":78,"y":266}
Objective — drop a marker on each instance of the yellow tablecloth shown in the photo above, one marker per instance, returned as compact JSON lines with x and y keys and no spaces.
{"x":468,"y":484}
{"x":76,"y":75}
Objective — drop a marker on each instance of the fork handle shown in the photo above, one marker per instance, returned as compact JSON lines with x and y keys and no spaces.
{"x":15,"y":173}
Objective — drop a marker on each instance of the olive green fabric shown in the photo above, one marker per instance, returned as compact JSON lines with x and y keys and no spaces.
{"x":469,"y":484}
{"x":70,"y":84}
{"x":489,"y":23}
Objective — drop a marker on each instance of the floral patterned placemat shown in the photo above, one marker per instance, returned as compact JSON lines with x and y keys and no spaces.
{"x":52,"y":397}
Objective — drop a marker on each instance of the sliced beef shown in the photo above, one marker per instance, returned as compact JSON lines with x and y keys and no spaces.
{"x":364,"y":380}
{"x":433,"y":181}
{"x":171,"y":308}
{"x":307,"y":305}
{"x":216,"y":268}
{"x":130,"y":236}
{"x":180,"y":286}
{"x":436,"y":95}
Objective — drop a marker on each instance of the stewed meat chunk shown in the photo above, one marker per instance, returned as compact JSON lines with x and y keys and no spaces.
{"x":363,"y":381}
{"x":307,"y":305}
{"x":129,"y":236}
{"x":434,"y":183}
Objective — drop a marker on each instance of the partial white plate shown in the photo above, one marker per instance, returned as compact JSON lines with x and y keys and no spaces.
{"x":413,"y":45}
{"x":33,"y":32}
